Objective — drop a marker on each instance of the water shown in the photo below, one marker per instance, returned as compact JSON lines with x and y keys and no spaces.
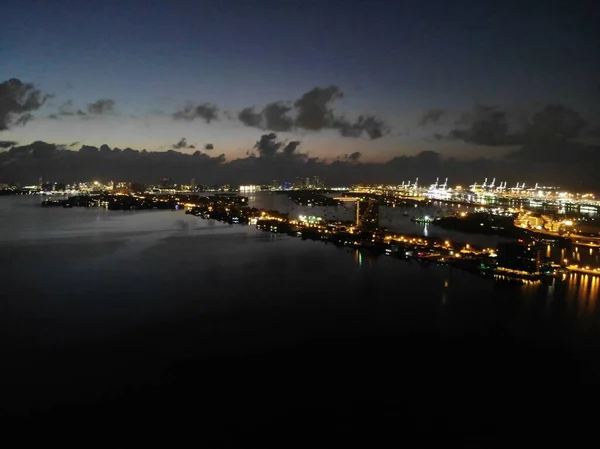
{"x":98,"y":303}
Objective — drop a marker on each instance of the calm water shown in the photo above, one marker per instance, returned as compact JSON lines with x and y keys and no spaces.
{"x":130,"y":294}
{"x":94,"y":253}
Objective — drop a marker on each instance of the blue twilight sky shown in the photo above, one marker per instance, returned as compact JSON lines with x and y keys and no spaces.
{"x":393,"y":59}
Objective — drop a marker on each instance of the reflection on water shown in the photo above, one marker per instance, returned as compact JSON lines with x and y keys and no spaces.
{"x":130,"y":266}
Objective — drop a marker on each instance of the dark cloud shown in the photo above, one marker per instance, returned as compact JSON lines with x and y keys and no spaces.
{"x":488,"y":126}
{"x":205,"y":111}
{"x":550,"y":138}
{"x":100,"y":107}
{"x":438,"y":136}
{"x":290,"y":148}
{"x":72,"y":144}
{"x":268,"y":145}
{"x":249,"y":117}
{"x":492,"y":126}
{"x":276,"y":118}
{"x":182,"y":144}
{"x":17,"y":101}
{"x":354,"y":157}
{"x":312,"y":112}
{"x":209,"y":147}
{"x":35,"y":150}
{"x":555,"y":121}
{"x":431,"y":117}
{"x":24,"y":119}
{"x":7,"y":144}
{"x":313,"y":108}
{"x":273,"y":117}
{"x":566,"y":163}
{"x":370,"y":125}
{"x":351,"y":158}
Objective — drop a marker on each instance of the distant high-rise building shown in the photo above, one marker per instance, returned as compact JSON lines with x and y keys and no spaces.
{"x":317,"y":183}
{"x":193,"y":184}
{"x":520,"y":257}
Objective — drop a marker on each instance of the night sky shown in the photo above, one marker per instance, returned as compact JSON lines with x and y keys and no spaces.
{"x":463,"y":79}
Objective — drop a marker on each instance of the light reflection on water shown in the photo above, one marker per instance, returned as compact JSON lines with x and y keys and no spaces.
{"x":68,"y":254}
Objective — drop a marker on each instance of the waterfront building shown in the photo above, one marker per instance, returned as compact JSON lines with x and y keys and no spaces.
{"x":250,"y":188}
{"x":520,"y":257}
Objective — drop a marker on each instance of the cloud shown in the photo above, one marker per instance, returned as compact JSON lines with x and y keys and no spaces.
{"x":268,"y":145}
{"x":66,"y":110}
{"x":290,"y":148}
{"x":550,"y":138}
{"x":63,"y":110}
{"x":24,"y":119}
{"x":249,"y":117}
{"x":372,"y":126}
{"x":312,"y":112}
{"x":555,"y":121}
{"x":354,"y":157}
{"x":17,"y":101}
{"x":351,"y":158}
{"x":492,"y":126}
{"x":313,"y":109}
{"x":205,"y":111}
{"x":72,"y":144}
{"x":7,"y":144}
{"x":100,"y":107}
{"x":273,"y":117}
{"x":487,"y":126}
{"x":559,"y":161}
{"x":182,"y":144}
{"x":209,"y":147}
{"x":276,"y":118}
{"x":35,"y":150}
{"x":431,"y":117}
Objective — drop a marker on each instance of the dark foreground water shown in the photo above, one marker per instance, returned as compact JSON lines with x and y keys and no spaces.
{"x":125,"y":329}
